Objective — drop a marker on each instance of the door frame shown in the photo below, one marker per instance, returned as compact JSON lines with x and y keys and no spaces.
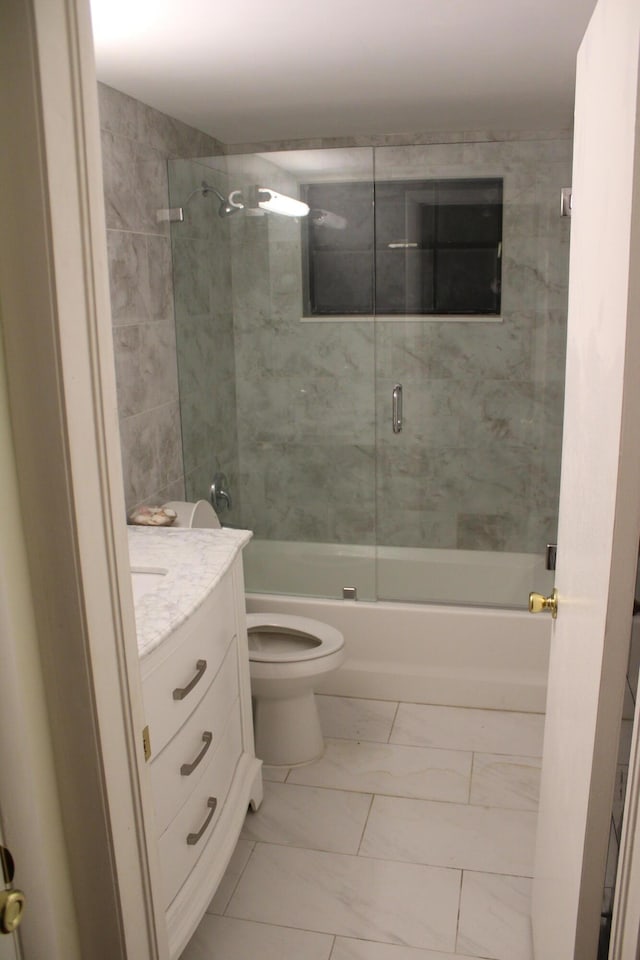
{"x":61,"y":391}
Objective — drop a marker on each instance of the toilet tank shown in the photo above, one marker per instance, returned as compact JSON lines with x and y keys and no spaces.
{"x":200,"y":514}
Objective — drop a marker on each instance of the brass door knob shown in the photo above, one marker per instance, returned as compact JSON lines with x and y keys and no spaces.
{"x":538,"y":603}
{"x":11,"y":910}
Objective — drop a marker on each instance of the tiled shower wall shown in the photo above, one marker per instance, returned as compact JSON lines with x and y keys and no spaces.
{"x":136,"y":144}
{"x":477,"y":464}
{"x":297,"y":414}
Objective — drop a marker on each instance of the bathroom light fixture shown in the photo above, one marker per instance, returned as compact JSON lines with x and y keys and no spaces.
{"x":264,"y":198}
{"x":279,"y":203}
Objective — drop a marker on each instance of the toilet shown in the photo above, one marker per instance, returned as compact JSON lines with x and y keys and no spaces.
{"x":288,"y":656}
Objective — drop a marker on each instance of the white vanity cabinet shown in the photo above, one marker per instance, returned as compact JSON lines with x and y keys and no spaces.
{"x":203,"y":769}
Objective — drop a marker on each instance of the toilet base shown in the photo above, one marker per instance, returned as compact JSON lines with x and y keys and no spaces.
{"x":287,"y":730}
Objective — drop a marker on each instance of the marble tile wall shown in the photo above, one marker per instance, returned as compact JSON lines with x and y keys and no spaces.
{"x":477,"y":464}
{"x":136,"y":144}
{"x":296,"y":414}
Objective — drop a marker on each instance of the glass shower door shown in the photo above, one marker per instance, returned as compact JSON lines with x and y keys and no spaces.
{"x":443,"y":276}
{"x":471,"y":285}
{"x":276,"y":345}
{"x":304,"y":374}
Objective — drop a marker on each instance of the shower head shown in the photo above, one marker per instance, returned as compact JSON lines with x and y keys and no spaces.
{"x":226,"y":209}
{"x":176,"y":214}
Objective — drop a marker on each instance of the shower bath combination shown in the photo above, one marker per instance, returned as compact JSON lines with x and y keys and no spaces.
{"x":413,"y":457}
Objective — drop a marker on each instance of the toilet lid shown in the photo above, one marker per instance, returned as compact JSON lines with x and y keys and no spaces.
{"x":294,"y":638}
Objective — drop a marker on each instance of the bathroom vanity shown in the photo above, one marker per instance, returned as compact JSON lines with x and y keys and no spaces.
{"x":189,"y":603}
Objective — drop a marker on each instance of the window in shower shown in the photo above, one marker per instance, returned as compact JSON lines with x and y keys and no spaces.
{"x":416,"y":247}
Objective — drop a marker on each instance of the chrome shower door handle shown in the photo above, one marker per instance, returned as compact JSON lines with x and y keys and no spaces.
{"x":396,"y":408}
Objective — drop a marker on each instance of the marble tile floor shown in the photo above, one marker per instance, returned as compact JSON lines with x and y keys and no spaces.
{"x":412,"y":838}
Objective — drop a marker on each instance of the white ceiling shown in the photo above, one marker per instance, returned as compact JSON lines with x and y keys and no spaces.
{"x":288,"y":69}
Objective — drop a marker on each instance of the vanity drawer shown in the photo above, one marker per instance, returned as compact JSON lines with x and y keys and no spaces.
{"x":199,"y":736}
{"x":189,"y":664}
{"x":187,"y":836}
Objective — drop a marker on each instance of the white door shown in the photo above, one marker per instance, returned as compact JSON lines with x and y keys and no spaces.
{"x":600,"y":493}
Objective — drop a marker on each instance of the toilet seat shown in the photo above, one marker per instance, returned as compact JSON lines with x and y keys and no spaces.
{"x":327,"y":639}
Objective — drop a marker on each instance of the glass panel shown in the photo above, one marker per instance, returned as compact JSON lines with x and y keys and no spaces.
{"x":284,"y":408}
{"x":201,"y":251}
{"x":467,"y":493}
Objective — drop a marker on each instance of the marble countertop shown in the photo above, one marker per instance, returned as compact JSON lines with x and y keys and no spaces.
{"x":194,"y":561}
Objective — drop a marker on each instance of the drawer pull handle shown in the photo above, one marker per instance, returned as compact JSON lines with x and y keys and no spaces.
{"x":181,"y":692}
{"x":192,"y":838}
{"x":187,"y":768}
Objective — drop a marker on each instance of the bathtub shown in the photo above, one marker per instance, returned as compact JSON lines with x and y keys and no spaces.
{"x":476,"y":577}
{"x":460,"y":655}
